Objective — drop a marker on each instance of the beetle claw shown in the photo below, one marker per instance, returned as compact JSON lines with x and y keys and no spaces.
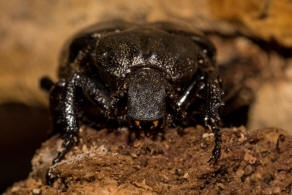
{"x":50,"y":178}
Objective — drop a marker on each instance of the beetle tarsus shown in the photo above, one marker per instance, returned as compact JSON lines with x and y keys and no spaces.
{"x":217,"y":146}
{"x":67,"y":145}
{"x":50,"y":179}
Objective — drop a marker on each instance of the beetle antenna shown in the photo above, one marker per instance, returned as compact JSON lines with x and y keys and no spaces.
{"x":46,"y":83}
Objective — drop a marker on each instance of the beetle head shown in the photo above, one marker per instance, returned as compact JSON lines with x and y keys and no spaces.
{"x":146,"y":98}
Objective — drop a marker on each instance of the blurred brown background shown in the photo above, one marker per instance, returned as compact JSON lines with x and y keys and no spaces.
{"x":32,"y":33}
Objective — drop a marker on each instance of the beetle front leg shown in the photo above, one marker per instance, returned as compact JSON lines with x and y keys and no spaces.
{"x":65,"y":108}
{"x":213,"y":97}
{"x":207,"y":87}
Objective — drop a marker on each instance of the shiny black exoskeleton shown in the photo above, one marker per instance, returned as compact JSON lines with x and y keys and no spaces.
{"x":144,"y":76}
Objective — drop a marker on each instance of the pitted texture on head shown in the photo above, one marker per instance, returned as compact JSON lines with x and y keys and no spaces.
{"x":146,"y":95}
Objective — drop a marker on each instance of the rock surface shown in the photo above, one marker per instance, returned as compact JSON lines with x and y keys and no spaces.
{"x":268,"y":19}
{"x":34,"y":32}
{"x":252,"y":162}
{"x":275,"y":99}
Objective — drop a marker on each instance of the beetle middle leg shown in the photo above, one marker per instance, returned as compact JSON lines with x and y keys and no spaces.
{"x":65,"y":108}
{"x":179,"y":104}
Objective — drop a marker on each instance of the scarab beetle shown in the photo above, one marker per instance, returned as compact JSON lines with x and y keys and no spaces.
{"x":143,"y":76}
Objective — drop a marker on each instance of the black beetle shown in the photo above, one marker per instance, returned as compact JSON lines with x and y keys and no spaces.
{"x":144,"y":76}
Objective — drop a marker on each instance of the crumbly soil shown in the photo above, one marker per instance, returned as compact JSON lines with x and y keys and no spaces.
{"x":252,"y":162}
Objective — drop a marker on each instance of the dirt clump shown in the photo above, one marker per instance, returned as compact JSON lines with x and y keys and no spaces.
{"x":252,"y":162}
